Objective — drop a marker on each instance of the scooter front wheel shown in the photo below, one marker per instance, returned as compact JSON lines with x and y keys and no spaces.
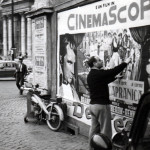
{"x":26,"y":118}
{"x":55,"y":121}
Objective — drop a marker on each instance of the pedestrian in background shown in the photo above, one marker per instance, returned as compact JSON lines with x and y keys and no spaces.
{"x":98,"y":80}
{"x":21,"y":71}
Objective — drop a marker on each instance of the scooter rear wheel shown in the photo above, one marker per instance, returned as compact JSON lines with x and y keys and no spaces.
{"x":54,"y":123}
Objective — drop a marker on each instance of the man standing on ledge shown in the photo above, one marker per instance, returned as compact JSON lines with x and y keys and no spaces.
{"x":98,"y":80}
{"x":21,"y":71}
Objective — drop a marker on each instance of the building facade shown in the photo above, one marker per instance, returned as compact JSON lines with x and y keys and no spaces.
{"x":1,"y":33}
{"x":20,"y":39}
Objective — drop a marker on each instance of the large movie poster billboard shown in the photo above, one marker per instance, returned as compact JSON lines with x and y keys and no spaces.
{"x":114,"y":31}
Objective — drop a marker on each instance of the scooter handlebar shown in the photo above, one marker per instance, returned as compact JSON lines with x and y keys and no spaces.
{"x":33,"y":88}
{"x":28,"y":89}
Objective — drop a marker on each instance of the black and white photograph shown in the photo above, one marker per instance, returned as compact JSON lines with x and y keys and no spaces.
{"x":74,"y":74}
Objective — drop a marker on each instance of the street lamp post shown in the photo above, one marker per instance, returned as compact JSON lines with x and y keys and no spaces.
{"x":12,"y":20}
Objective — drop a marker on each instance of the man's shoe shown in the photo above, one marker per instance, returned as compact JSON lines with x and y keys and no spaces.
{"x":21,"y":92}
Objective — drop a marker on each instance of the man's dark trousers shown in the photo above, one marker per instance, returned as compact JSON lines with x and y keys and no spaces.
{"x":19,"y":80}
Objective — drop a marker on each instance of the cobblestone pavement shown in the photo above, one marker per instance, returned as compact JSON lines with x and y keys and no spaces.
{"x":17,"y":135}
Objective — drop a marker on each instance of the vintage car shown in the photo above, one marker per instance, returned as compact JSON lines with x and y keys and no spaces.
{"x":7,"y":68}
{"x":138,"y":138}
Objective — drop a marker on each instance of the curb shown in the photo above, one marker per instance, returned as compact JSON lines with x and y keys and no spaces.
{"x":7,"y":79}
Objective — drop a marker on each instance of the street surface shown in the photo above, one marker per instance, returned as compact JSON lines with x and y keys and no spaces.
{"x":17,"y":135}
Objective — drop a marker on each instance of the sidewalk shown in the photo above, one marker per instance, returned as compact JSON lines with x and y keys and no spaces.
{"x":17,"y":135}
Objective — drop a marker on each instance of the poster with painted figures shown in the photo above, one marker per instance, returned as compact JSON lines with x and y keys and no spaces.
{"x":114,"y":31}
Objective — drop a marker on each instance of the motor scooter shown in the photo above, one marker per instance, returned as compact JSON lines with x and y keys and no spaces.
{"x":42,"y":107}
